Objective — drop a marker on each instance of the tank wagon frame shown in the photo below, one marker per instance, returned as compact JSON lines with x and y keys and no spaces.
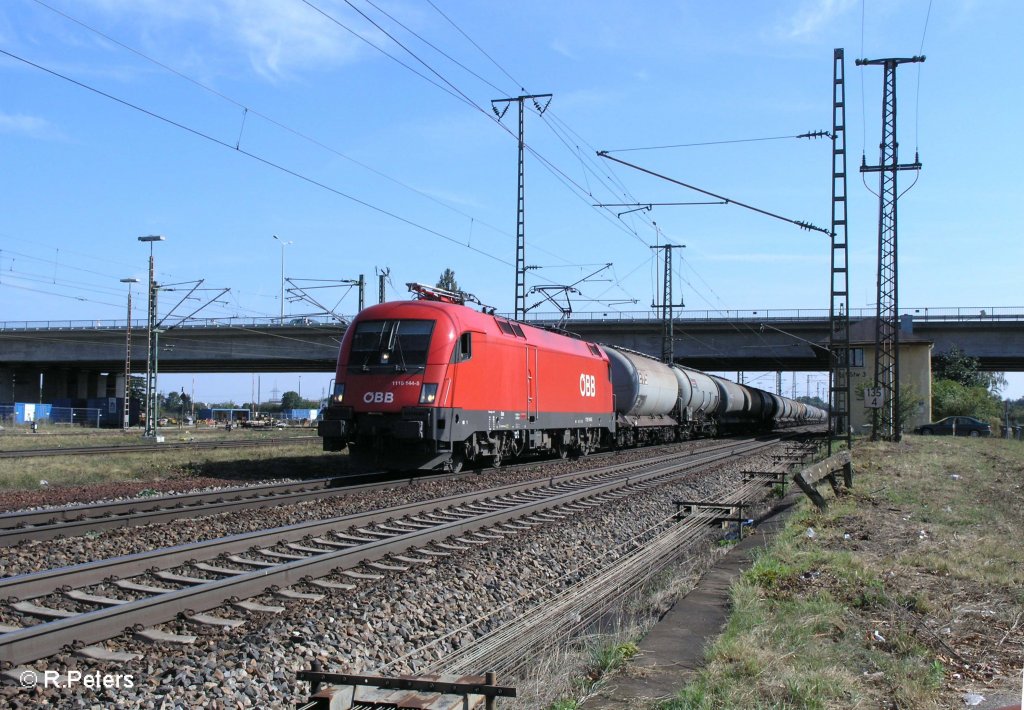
{"x":431,"y":383}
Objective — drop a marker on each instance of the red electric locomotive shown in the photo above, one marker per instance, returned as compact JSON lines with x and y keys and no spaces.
{"x":432,"y":383}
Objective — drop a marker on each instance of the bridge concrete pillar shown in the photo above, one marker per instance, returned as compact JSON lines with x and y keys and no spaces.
{"x":84,"y":384}
{"x":117,"y":380}
{"x":95,"y":384}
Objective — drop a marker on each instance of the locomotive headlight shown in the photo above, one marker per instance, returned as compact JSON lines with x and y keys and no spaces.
{"x":428,"y":394}
{"x":339,"y":393}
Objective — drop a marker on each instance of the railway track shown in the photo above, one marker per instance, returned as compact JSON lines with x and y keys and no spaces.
{"x":67,"y":521}
{"x":147,"y":448}
{"x":72,"y":520}
{"x":91,"y":602}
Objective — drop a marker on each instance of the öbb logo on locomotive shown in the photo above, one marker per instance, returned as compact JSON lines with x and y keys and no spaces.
{"x":379,"y":397}
{"x":588,"y":385}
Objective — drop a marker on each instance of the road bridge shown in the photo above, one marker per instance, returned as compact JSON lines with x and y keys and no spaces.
{"x":75,"y":358}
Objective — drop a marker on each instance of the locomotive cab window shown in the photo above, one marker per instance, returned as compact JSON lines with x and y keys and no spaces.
{"x":464,"y":348}
{"x":390,"y":346}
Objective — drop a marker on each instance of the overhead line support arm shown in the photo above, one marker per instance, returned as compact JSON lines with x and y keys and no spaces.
{"x":803,"y":225}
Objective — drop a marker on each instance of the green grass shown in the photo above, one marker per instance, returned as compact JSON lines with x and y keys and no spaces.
{"x":286,"y":459}
{"x":52,"y":436}
{"x":835,"y":621}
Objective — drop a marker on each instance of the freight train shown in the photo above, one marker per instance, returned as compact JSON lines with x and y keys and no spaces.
{"x":434,"y":384}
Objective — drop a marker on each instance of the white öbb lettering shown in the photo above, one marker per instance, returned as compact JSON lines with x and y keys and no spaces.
{"x":588,"y":385}
{"x":379,"y":397}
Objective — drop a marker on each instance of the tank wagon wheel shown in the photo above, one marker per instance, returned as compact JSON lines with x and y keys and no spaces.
{"x":496,"y":460}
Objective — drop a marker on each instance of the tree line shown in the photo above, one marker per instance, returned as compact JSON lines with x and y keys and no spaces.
{"x":960,"y":388}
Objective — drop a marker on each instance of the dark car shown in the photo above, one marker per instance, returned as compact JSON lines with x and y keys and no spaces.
{"x":957,"y":426}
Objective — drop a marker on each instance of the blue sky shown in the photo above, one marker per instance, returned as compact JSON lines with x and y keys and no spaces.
{"x":225,"y":122}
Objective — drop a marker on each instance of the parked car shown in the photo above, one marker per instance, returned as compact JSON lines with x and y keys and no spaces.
{"x":303,"y":321}
{"x":956,"y":426}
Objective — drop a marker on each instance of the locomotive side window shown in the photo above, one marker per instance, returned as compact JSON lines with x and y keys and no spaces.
{"x":465,"y":349}
{"x":391,"y":346}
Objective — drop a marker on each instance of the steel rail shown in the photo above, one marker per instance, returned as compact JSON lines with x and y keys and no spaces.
{"x":508,"y":647}
{"x":29,"y":586}
{"x":48,"y":523}
{"x":48,"y":638}
{"x":148,"y":448}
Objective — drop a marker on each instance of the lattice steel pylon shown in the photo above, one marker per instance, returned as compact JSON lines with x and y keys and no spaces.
{"x":667,"y":317}
{"x":520,"y":305}
{"x":839,"y":308}
{"x":885,"y":421}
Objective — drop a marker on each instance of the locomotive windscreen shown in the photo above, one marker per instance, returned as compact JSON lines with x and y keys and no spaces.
{"x":390,"y":346}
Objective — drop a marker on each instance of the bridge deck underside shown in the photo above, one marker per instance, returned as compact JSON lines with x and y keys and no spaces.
{"x":705,"y":345}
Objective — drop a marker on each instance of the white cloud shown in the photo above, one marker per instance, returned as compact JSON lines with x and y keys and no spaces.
{"x":560,"y":47}
{"x":277,"y":37}
{"x":31,"y":126}
{"x":812,"y":17}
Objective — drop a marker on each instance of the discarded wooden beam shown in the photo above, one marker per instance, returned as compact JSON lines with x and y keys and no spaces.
{"x":811,"y":477}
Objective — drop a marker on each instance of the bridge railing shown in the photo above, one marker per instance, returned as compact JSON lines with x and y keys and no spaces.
{"x":953,"y":313}
{"x":140,"y":324}
{"x":921,"y":315}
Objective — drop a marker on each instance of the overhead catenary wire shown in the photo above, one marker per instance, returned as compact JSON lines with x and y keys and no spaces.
{"x":247,"y":109}
{"x":798,"y":223}
{"x":560,"y":130}
{"x":559,"y":174}
{"x":812,"y":134}
{"x":917,"y":97}
{"x":481,"y":49}
{"x":458,"y":92}
{"x":254,"y":156}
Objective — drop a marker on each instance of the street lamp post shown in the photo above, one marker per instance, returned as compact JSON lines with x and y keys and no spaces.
{"x":283,"y":245}
{"x":152,"y":344}
{"x":128,"y":357}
